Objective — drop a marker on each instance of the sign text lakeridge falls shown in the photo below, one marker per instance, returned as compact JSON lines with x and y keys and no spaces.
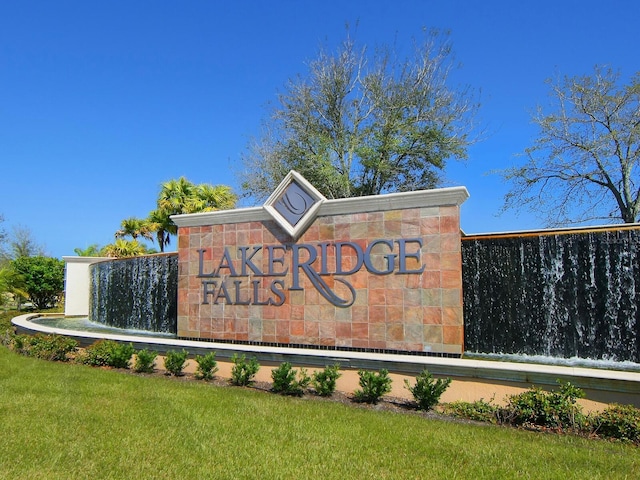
{"x":233,"y":280}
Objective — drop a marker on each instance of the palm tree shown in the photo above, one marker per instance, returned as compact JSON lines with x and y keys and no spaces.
{"x":134,"y":228}
{"x":124,"y":248}
{"x":92,"y":250}
{"x":161,"y":224}
{"x":181,"y":196}
{"x":215,"y":197}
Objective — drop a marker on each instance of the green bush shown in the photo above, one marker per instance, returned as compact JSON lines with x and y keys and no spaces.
{"x":243,"y":372}
{"x":427,"y":390}
{"x":207,"y":366}
{"x":479,"y":410}
{"x":108,"y":353}
{"x":174,"y":362}
{"x":145,"y":361}
{"x":373,"y":386}
{"x":556,"y":409}
{"x":618,"y":421}
{"x":324,"y":381}
{"x":286,"y":380}
{"x":46,"y":347}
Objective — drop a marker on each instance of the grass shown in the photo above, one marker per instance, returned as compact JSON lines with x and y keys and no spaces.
{"x":67,"y":421}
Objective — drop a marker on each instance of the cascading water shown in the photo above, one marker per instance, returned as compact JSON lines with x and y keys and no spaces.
{"x":560,"y":295}
{"x":136,"y":293}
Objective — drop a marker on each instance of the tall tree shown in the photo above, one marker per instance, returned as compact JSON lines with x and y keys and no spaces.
{"x":42,"y":279}
{"x":134,"y":228}
{"x":22,"y":244}
{"x":182,"y":196}
{"x":364,"y":123}
{"x":584,"y":164}
{"x":124,"y":248}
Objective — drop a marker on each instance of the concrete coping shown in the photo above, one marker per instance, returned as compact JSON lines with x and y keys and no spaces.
{"x":536,"y":374}
{"x":451,"y":196}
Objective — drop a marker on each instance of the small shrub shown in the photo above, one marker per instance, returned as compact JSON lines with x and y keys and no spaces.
{"x":108,"y":353}
{"x":243,"y":372}
{"x":555,"y":409}
{"x":479,"y":410}
{"x":427,"y":390}
{"x":324,"y":381}
{"x":18,"y":344}
{"x":46,"y":347}
{"x":121,"y":355}
{"x":286,"y":380}
{"x":174,"y":362}
{"x":6,"y":337}
{"x":145,"y":361}
{"x":373,"y":386}
{"x":618,"y":421}
{"x":207,"y":366}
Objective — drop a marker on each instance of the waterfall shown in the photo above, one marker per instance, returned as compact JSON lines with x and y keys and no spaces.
{"x":562,"y":295}
{"x":136,"y":293}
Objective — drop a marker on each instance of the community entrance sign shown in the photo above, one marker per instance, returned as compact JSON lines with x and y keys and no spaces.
{"x":380,"y":272}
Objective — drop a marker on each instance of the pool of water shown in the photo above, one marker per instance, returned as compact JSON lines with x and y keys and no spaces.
{"x":85,"y":325}
{"x":563,"y":362}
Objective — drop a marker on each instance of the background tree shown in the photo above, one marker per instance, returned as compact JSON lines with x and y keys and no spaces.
{"x":182,"y":196}
{"x":20,"y":243}
{"x":134,"y":228}
{"x":584,"y":164}
{"x":364,"y":123}
{"x":11,"y":286}
{"x":42,"y":279}
{"x":125,"y":248}
{"x":3,"y":239}
{"x":92,"y":250}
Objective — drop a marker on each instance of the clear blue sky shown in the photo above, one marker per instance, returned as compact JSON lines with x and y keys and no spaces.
{"x":101,"y":102}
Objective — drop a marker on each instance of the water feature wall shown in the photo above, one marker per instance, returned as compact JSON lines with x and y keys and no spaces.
{"x":136,"y":293}
{"x":562,"y":294}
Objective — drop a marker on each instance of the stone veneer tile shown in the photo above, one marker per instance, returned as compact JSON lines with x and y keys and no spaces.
{"x":432,"y":334}
{"x":377,"y":314}
{"x":451,"y":279}
{"x":450,"y":242}
{"x":452,"y":316}
{"x":343,"y":330}
{"x":413,"y":315}
{"x":360,"y":330}
{"x":451,"y":261}
{"x":327,"y":329}
{"x":311,"y":330}
{"x":414,"y":333}
{"x":452,"y":335}
{"x":452,"y":349}
{"x":296,"y":328}
{"x":452,"y":297}
{"x":395,"y":332}
{"x":377,"y":296}
{"x":395,"y":296}
{"x":430,"y":225}
{"x":432,"y":315}
{"x":449,"y":224}
{"x":377,"y":332}
{"x":432,"y":297}
{"x":395,"y":314}
{"x":358,"y":230}
{"x":359,"y":313}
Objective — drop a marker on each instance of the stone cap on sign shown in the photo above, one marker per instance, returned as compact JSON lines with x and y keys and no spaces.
{"x":437,"y":197}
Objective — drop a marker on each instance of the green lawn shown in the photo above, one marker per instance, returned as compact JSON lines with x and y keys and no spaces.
{"x":66,"y":421}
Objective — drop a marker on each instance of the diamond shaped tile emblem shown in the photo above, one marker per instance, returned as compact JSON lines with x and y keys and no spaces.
{"x":294,"y":204}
